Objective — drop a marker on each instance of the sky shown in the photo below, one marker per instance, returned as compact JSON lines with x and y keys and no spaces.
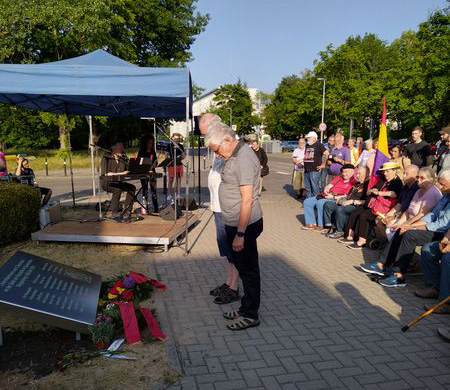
{"x":262,"y":41}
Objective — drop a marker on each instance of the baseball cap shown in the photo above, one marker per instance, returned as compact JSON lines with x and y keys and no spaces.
{"x":347,"y":166}
{"x":312,"y":134}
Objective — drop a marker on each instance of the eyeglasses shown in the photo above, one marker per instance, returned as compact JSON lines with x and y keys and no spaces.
{"x":218,"y":148}
{"x":421,"y":177}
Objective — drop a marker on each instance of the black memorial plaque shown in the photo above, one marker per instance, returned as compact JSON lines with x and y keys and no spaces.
{"x":49,"y":292}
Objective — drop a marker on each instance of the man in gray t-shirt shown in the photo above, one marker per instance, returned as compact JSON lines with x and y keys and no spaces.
{"x":241,"y":169}
{"x":242,"y":215}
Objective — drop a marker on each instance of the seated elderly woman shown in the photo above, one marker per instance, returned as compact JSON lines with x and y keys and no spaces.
{"x":338,"y":212}
{"x":339,"y":187}
{"x":382,"y":198}
{"x":397,"y":253}
{"x":410,"y":187}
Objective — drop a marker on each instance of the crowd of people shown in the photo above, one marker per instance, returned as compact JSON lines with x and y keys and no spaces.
{"x":404,"y":205}
{"x":408,"y":205}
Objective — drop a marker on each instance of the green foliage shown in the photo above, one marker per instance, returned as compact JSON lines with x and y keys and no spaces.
{"x":197,"y":91}
{"x":19,"y":210}
{"x":412,"y":72}
{"x":25,"y":129}
{"x":103,"y":331}
{"x":144,"y":32}
{"x":233,"y":103}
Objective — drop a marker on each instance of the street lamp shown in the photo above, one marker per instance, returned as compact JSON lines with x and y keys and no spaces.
{"x":323,"y":104}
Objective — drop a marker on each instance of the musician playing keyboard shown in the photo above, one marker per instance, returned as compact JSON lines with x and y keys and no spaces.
{"x":114,"y":165}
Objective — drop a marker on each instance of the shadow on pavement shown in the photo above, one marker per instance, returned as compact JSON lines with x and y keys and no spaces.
{"x":312,"y":332}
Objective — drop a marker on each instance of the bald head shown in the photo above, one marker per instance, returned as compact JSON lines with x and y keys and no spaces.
{"x":410,"y":174}
{"x":206,"y":120}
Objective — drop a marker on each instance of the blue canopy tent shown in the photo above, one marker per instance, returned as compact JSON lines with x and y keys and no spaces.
{"x":99,"y":84}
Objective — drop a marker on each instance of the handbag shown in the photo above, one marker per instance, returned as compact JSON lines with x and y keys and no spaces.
{"x":264,"y":171}
{"x":381,"y":205}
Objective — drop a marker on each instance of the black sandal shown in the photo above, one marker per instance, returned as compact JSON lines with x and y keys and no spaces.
{"x":355,"y":246}
{"x":345,"y":240}
{"x":231,"y":315}
{"x":218,"y":290}
{"x":242,"y":323}
{"x":227,"y":296}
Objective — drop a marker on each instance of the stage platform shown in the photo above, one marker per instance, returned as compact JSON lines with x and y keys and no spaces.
{"x":153,"y":230}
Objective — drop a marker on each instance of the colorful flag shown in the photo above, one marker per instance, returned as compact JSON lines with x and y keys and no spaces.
{"x":382,"y":152}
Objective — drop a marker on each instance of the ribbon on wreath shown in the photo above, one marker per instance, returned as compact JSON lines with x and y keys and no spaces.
{"x":153,"y":325}
{"x":130,"y":323}
{"x":139,"y":278}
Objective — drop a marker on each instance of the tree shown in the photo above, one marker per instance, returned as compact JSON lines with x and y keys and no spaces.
{"x":434,"y":43}
{"x":234,"y":106}
{"x":413,"y":72}
{"x":295,"y":108}
{"x":197,"y":91}
{"x":144,"y":32}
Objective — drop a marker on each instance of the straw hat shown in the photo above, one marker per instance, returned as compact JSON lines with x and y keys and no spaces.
{"x":389,"y":165}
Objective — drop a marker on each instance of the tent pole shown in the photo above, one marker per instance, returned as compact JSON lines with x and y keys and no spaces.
{"x":188,"y":131}
{"x":70,"y":156}
{"x":91,"y":147}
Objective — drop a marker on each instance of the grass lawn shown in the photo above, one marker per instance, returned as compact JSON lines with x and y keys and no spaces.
{"x":99,"y":373}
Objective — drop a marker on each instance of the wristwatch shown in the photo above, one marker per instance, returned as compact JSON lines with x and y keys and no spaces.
{"x":240,"y":234}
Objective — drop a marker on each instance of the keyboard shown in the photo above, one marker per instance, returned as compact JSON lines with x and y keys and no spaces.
{"x":136,"y":176}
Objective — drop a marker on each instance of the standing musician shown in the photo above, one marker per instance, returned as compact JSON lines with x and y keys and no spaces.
{"x":176,"y":152}
{"x":147,"y":150}
{"x":114,"y":165}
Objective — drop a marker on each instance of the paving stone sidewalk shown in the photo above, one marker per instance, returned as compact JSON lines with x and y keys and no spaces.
{"x":324,"y":324}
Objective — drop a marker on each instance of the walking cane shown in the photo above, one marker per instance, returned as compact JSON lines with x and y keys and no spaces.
{"x":422,"y":316}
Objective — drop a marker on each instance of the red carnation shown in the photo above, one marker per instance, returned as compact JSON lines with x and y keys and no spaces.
{"x":127,"y":295}
{"x":119,"y":283}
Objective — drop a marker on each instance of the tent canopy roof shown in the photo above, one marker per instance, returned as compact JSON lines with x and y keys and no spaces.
{"x":97,"y":83}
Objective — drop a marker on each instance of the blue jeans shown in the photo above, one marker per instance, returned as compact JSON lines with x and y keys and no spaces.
{"x":222,"y":241}
{"x":312,"y":183}
{"x":311,"y":205}
{"x":435,"y":274}
{"x":334,"y":213}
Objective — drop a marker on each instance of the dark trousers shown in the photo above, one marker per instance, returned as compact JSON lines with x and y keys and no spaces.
{"x":360,"y":221}
{"x":246,"y":262}
{"x":145,"y":183}
{"x":116,"y":188}
{"x":436,"y":268}
{"x":400,"y":250}
{"x":337,"y":215}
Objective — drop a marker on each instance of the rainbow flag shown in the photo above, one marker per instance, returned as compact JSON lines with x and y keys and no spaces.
{"x":382,"y":153}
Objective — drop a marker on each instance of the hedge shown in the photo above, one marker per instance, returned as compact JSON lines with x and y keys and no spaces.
{"x":19,"y":212}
